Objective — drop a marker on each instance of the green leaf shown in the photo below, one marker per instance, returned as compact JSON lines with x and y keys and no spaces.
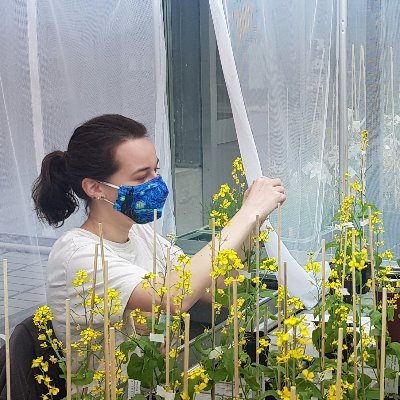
{"x":393,"y":348}
{"x":127,"y":347}
{"x":218,"y":375}
{"x":198,"y":345}
{"x":227,"y":359}
{"x":390,"y":312}
{"x":376,"y":319}
{"x":83,"y":377}
{"x":139,"y":397}
{"x":135,"y":367}
{"x":372,"y":394}
{"x":365,"y":380}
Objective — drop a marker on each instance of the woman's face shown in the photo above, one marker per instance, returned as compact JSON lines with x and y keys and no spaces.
{"x":138,"y":163}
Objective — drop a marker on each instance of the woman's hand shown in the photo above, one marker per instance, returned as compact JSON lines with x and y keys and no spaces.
{"x":263,"y":196}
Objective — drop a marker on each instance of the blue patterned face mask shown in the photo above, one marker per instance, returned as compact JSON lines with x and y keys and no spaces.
{"x":139,"y":202}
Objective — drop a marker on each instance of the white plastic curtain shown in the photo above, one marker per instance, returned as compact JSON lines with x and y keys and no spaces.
{"x":285,"y":56}
{"x":64,"y":62}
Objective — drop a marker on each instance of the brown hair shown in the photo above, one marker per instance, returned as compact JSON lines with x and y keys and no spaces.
{"x":90,"y":154}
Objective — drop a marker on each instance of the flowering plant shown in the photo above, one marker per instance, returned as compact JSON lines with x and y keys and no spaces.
{"x":90,"y":374}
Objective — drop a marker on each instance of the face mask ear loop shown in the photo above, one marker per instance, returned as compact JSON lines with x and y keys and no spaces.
{"x":108,"y":201}
{"x":109,"y":184}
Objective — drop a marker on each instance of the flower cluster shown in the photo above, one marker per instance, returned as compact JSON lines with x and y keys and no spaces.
{"x":228,"y":200}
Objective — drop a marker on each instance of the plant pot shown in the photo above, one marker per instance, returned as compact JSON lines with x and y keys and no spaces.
{"x":250,"y":348}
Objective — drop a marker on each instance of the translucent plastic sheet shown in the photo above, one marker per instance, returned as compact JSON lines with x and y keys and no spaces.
{"x":62,"y":63}
{"x":286,"y":55}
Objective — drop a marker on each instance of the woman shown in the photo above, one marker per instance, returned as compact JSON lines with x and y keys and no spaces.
{"x":112,"y":166}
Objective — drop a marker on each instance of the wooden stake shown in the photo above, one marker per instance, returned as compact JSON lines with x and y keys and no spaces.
{"x":353,"y":277}
{"x":186,"y":357}
{"x":213,"y":290}
{"x":235,"y":342}
{"x":113,"y":365}
{"x":323,"y":295}
{"x":7,"y":329}
{"x":213,"y":281}
{"x":153,"y":281}
{"x":293,"y":393}
{"x":68,"y":356}
{"x":106,"y":336}
{"x":96,"y":254}
{"x":168,"y":322}
{"x":279,"y":233}
{"x":383,"y":345}
{"x":371,"y":255}
{"x":257,"y":295}
{"x":373,"y":285}
{"x":344,"y":258}
{"x":339,"y":365}
{"x":285,"y":315}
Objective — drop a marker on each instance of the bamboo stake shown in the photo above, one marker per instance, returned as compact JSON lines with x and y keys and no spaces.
{"x":153,"y":293}
{"x":257,"y":295}
{"x":383,"y":345}
{"x":344,"y":258}
{"x":323,"y":295}
{"x":293,"y":393}
{"x":353,"y":275}
{"x":371,"y":254}
{"x":96,"y":254}
{"x":339,"y":365}
{"x":235,"y":342}
{"x":7,"y":329}
{"x":213,"y":290}
{"x":113,"y":364}
{"x":168,"y":322}
{"x":186,"y":357}
{"x":106,"y":323}
{"x":213,"y":282}
{"x":322,"y":321}
{"x":279,"y":233}
{"x":285,"y":315}
{"x":373,"y":286}
{"x":68,"y":356}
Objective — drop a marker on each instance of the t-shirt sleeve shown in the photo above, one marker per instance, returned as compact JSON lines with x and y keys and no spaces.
{"x":123,"y":277}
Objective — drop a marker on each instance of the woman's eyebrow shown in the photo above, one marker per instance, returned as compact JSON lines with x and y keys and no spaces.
{"x":145,"y":168}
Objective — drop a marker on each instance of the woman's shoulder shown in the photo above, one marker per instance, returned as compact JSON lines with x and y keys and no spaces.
{"x":71,"y":242}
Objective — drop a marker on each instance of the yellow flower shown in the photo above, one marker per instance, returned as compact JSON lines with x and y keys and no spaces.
{"x":53,"y":359}
{"x":42,"y":316}
{"x":308,"y":376}
{"x":80,"y":278}
{"x":284,"y":394}
{"x":37,"y":362}
{"x":173,"y":353}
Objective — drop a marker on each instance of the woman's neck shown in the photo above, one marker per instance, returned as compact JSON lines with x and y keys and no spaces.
{"x":118,"y":233}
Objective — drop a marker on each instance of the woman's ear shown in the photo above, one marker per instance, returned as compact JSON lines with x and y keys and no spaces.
{"x":92,"y":188}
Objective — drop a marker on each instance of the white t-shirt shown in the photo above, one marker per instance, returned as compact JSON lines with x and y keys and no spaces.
{"x":127,"y":264}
